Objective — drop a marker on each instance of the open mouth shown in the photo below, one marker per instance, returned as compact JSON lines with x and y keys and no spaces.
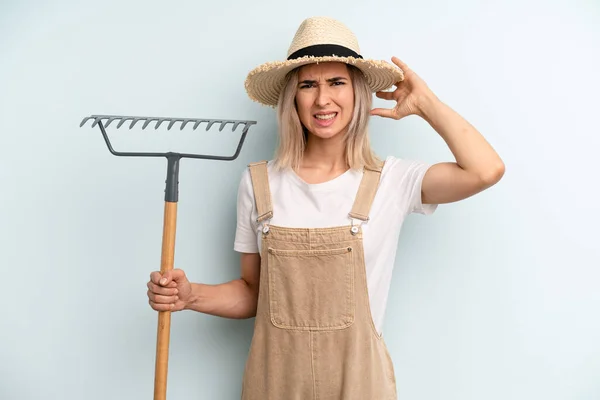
{"x":325,"y":119}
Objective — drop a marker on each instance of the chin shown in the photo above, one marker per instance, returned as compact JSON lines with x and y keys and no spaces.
{"x":325,"y":133}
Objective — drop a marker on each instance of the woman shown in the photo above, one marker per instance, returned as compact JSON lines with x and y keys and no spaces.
{"x":318,"y":225}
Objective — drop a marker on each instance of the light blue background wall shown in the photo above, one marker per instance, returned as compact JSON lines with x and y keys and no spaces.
{"x":494,"y":298}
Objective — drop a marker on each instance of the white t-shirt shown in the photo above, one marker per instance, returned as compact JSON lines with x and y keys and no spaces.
{"x":297,"y":204}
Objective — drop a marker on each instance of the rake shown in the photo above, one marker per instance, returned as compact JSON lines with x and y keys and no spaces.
{"x":170,"y":209}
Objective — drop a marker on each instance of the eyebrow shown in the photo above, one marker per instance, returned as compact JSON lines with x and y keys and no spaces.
{"x":330,"y":80}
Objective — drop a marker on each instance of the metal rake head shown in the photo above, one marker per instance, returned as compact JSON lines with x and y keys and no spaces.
{"x":103,"y":121}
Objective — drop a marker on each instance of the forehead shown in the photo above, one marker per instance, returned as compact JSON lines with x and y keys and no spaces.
{"x":323,"y":71}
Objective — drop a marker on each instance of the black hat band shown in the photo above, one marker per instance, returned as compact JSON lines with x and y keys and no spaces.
{"x":324,"y":50}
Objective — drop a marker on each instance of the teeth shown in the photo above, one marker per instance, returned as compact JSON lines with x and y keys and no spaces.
{"x":325,"y":116}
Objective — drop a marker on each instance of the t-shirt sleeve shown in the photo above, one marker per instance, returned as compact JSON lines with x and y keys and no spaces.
{"x":245,"y":233}
{"x":410,"y":178}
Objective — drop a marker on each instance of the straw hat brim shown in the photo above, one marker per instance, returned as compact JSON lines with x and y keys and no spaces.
{"x":264,"y":83}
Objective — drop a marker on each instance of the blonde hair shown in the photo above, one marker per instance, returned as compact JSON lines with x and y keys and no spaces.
{"x":292,"y":134}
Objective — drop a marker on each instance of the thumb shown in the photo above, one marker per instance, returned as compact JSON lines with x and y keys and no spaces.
{"x":172,"y":275}
{"x":383,"y":112}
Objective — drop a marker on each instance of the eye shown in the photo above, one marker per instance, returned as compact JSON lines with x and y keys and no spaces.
{"x":337,"y":83}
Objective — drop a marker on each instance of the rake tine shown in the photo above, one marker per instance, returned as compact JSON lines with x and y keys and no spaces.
{"x":235,"y":126}
{"x":173,"y":122}
{"x":123,"y":121}
{"x":223,"y":125}
{"x":86,"y":119}
{"x":111,"y":119}
{"x":198,"y":122}
{"x":135,"y":121}
{"x":160,"y":121}
{"x":96,"y":120}
{"x":148,"y":121}
{"x":210,"y":124}
{"x":185,"y":123}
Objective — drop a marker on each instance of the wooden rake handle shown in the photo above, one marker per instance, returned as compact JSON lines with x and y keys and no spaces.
{"x":164,"y":317}
{"x":163,"y":332}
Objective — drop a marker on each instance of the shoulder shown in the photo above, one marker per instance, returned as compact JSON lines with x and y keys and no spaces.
{"x":403,"y":179}
{"x":401,"y":167}
{"x":402,"y":174}
{"x":246,"y":183}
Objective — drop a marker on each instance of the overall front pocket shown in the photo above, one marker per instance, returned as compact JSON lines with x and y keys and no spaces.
{"x":311,"y":289}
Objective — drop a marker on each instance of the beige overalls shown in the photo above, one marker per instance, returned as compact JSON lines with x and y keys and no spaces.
{"x":314,"y":337}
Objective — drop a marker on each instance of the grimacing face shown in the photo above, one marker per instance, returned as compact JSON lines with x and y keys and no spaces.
{"x":325,"y":98}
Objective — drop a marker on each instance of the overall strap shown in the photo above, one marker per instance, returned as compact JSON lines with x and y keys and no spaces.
{"x":262,"y":193}
{"x":366,"y":193}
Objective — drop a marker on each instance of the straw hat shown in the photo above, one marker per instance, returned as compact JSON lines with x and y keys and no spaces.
{"x":318,"y":39}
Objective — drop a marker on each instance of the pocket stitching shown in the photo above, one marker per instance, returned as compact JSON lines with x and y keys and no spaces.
{"x":348,"y":316}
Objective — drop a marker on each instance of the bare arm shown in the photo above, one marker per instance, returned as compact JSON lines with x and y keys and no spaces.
{"x":477,"y":165}
{"x":233,"y":299}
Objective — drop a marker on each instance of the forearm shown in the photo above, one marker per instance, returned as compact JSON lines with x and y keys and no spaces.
{"x":234,"y":299}
{"x":470,"y":149}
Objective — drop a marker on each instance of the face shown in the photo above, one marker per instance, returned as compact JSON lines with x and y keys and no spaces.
{"x":325,"y":98}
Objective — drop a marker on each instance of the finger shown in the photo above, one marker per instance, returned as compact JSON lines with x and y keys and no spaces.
{"x":160,"y":299}
{"x":172,"y":275}
{"x":383,"y":112}
{"x":157,"y":289}
{"x":155,"y":277}
{"x":172,"y":284}
{"x":400,"y":64}
{"x":385,"y":95}
{"x":161,"y":307}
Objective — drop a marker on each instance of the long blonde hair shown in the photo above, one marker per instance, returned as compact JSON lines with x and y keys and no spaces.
{"x":292,"y":135}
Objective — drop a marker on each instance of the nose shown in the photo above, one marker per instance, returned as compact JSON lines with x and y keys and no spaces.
{"x":323,"y":96}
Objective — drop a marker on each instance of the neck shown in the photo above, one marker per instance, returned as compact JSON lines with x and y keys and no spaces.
{"x":328,"y":154}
